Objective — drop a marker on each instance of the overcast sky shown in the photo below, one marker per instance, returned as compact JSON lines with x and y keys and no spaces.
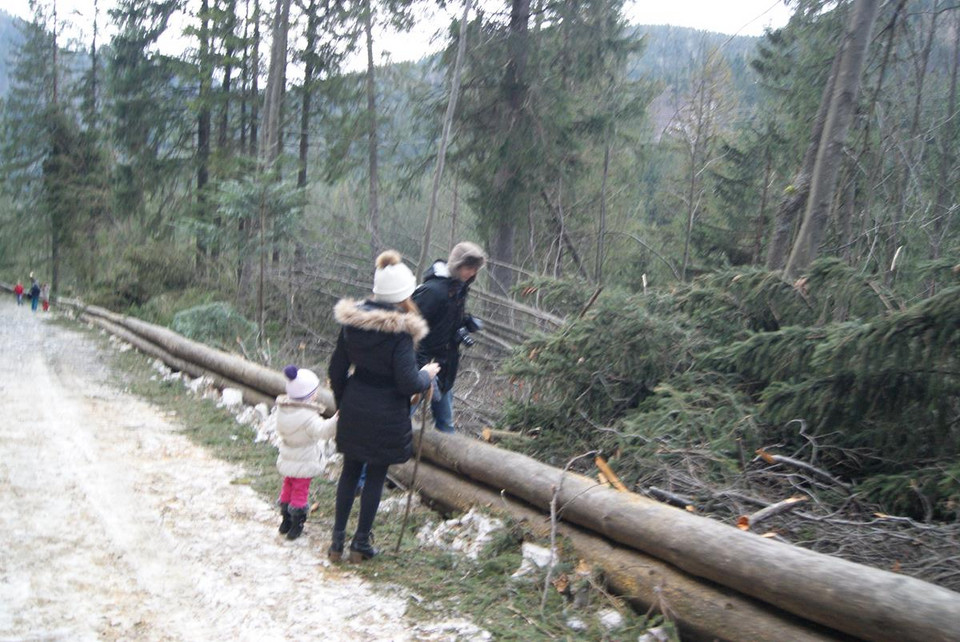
{"x":743,"y":17}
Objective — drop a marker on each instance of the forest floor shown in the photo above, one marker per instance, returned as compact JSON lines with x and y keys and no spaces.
{"x":115,"y":525}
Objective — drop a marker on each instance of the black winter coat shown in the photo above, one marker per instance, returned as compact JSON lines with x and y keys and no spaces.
{"x":442,"y":300}
{"x":377,"y":340}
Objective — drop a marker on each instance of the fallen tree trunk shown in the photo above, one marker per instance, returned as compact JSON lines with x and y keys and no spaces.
{"x":703,"y":610}
{"x":269,"y":382}
{"x":250,"y":396}
{"x":852,"y":598}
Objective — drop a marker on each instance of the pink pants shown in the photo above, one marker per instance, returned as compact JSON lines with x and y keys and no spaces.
{"x":295,"y":491}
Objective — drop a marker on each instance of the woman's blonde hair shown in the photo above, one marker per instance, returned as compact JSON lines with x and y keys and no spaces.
{"x":408,"y":306}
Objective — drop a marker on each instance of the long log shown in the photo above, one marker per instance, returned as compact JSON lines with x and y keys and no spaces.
{"x":702,"y":610}
{"x":230,"y":366}
{"x":852,"y":598}
{"x":251,"y":396}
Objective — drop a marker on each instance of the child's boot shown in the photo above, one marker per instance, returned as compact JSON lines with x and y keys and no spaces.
{"x":335,"y":552}
{"x":297,"y":517}
{"x":285,"y":518}
{"x":361,"y":548}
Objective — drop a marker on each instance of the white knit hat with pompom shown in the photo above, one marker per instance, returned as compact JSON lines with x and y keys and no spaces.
{"x":301,"y":383}
{"x":393,"y":281}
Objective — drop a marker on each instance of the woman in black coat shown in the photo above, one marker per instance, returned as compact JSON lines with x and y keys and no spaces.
{"x":377,"y":339}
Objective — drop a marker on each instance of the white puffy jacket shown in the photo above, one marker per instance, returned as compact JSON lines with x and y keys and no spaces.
{"x":301,"y":428}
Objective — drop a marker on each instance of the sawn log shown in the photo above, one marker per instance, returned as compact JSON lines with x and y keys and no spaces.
{"x":859,"y":600}
{"x":703,"y":610}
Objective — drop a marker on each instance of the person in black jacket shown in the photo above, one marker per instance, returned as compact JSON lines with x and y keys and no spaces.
{"x":377,"y":340}
{"x":442,"y":300}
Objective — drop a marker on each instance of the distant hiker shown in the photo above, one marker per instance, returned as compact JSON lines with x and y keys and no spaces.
{"x":377,"y":339}
{"x":45,"y":296}
{"x":34,"y":295}
{"x":442,"y":300}
{"x":300,"y":428}
{"x":18,"y":290}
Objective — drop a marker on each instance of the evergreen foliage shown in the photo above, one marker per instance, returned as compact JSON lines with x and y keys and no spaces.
{"x":215,"y":324}
{"x":608,"y":361}
{"x":726,"y":365}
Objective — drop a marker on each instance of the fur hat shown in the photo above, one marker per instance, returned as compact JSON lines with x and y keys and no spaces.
{"x":301,"y":383}
{"x":393,"y":281}
{"x":466,"y":254}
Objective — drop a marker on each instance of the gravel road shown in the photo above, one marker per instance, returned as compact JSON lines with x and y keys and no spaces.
{"x":114,"y":526}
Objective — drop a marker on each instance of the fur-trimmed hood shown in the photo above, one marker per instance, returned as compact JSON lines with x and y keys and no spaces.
{"x":367,"y":315}
{"x":287,"y":402}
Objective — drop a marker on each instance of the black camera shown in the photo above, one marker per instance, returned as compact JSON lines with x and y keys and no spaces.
{"x":463,"y":336}
{"x":470,"y":324}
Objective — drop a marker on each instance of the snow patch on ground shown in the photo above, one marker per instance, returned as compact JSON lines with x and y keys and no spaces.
{"x":467,"y":534}
{"x":534,"y":557}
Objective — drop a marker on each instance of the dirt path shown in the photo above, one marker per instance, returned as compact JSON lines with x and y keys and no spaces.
{"x":115,"y":526}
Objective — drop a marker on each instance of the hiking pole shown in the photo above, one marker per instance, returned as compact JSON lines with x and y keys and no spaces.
{"x":424,"y":402}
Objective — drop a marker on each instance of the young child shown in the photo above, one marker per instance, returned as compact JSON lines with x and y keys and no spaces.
{"x":300,"y":428}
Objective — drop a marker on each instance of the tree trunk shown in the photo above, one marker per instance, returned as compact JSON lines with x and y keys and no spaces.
{"x":203,"y":132}
{"x":913,"y":135}
{"x":223,"y":127}
{"x":797,"y":193}
{"x":255,"y":83}
{"x":309,"y":56}
{"x":514,"y":95}
{"x":761,"y":223}
{"x":851,"y":598}
{"x":702,"y":610}
{"x":829,"y":155}
{"x":945,"y":204}
{"x":373,"y":177}
{"x":270,"y":144}
{"x":444,"y":138}
{"x":602,"y":224}
{"x":877,"y":166}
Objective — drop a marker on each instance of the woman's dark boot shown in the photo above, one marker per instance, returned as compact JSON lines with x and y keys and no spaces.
{"x":361,"y":548}
{"x":285,"y":518}
{"x":297,"y":517}
{"x":335,"y":552}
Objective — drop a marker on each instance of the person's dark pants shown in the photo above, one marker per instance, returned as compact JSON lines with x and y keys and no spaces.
{"x":369,"y":498}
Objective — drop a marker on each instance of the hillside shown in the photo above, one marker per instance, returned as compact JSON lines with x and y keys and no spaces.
{"x":670,"y":56}
{"x":9,"y":37}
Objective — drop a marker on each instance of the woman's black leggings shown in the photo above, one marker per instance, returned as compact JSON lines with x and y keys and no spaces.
{"x":369,"y":497}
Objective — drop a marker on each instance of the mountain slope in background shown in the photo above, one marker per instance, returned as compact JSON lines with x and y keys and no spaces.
{"x":671,"y":55}
{"x":9,"y":40}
